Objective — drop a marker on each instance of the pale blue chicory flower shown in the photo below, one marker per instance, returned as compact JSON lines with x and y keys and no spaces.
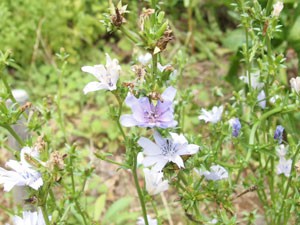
{"x":30,"y":218}
{"x":145,"y":114}
{"x":261,"y":98}
{"x":216,"y":173}
{"x":166,"y":150}
{"x":236,"y":126}
{"x":22,"y":173}
{"x":284,"y":167}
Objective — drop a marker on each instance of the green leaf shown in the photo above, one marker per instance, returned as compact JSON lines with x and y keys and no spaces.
{"x":99,"y":206}
{"x":294,"y":35}
{"x":234,"y":39}
{"x":116,"y":208}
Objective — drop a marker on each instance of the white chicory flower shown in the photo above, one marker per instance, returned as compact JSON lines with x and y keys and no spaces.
{"x":145,"y":59}
{"x":166,"y":150}
{"x":281,"y":151}
{"x":277,"y":8}
{"x":254,"y":79}
{"x":30,"y":218}
{"x":216,"y":173}
{"x":154,"y":182}
{"x":274,"y":99}
{"x":107,"y":75}
{"x":295,"y":84}
{"x":151,"y":221}
{"x":22,"y":173}
{"x":212,"y":116}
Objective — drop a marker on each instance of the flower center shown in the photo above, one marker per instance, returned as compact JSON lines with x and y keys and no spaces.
{"x":169,"y":148}
{"x":151,"y":116}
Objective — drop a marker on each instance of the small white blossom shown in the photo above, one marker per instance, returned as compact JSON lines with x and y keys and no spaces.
{"x":284,"y":167}
{"x":30,"y":218}
{"x":277,"y":8}
{"x":154,"y":182}
{"x":254,"y":79}
{"x":107,"y":75}
{"x":212,"y":116}
{"x":274,"y":99}
{"x":22,"y":173}
{"x":213,"y":221}
{"x":145,"y":59}
{"x":166,"y":150}
{"x":139,"y":159}
{"x":216,"y":173}
{"x":151,"y":221}
{"x":295,"y":84}
{"x":281,"y":151}
{"x":261,"y":98}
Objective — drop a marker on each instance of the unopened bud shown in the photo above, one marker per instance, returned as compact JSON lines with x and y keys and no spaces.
{"x":295,"y":84}
{"x":277,"y":8}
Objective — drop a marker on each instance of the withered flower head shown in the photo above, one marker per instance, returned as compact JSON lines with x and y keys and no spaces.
{"x":56,"y":161}
{"x":297,"y":166}
{"x":117,"y":17}
{"x":139,"y":71}
{"x":40,"y":143}
{"x":145,"y":15}
{"x":25,"y":106}
{"x":165,"y":39}
{"x":155,"y":96}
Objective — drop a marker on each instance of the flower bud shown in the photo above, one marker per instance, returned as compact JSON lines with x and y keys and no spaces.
{"x":277,"y":8}
{"x":295,"y":84}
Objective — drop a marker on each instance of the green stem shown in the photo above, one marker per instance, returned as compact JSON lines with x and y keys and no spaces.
{"x":140,"y":194}
{"x":59,"y":95}
{"x":154,"y":67}
{"x":269,"y":7}
{"x":282,"y":109}
{"x":129,"y":34}
{"x":13,"y":133}
{"x":77,"y":205}
{"x":45,"y":214}
{"x":288,"y":184}
{"x":110,"y":160}
{"x":54,"y":201}
{"x":119,"y":100}
{"x":8,"y":89}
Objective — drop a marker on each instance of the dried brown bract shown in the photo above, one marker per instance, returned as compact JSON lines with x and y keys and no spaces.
{"x":165,"y":39}
{"x":56,"y":161}
{"x":139,"y":71}
{"x":155,"y":96}
{"x":25,"y":106}
{"x":144,"y":16}
{"x":40,"y":144}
